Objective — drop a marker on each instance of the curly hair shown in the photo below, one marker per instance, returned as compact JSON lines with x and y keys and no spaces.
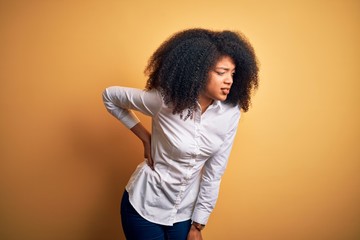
{"x":179,"y":68}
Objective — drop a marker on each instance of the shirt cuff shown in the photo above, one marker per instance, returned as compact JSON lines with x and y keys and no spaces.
{"x":130,"y":119}
{"x":200,"y":217}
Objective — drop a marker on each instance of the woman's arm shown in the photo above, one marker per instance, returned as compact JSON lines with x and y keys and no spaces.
{"x":120,"y":101}
{"x":213,"y":170}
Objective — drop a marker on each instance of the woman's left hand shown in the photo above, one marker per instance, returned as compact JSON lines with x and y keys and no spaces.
{"x":194,"y":234}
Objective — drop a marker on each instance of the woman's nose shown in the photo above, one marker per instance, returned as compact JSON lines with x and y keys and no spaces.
{"x":229,"y":79}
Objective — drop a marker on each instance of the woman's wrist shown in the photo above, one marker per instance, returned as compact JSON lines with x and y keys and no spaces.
{"x":197,"y":226}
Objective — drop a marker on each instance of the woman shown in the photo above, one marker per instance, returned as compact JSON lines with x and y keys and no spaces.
{"x":199,"y":81}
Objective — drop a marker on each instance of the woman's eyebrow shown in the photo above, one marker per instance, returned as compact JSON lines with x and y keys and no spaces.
{"x":225,"y":68}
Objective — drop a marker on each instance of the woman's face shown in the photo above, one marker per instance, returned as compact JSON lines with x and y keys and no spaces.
{"x":220,"y":80}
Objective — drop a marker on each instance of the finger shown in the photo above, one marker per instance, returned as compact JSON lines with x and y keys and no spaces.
{"x":149,"y":162}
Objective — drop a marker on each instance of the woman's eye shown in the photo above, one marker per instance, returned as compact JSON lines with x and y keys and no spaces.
{"x":220,"y":73}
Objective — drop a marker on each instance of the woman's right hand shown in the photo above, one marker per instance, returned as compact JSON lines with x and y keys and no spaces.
{"x":144,"y":135}
{"x":147,"y":153}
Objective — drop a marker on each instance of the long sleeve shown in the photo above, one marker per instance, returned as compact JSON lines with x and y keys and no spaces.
{"x":213,"y":170}
{"x":120,"y":101}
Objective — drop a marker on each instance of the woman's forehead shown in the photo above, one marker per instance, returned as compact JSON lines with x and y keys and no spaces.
{"x":226,"y":63}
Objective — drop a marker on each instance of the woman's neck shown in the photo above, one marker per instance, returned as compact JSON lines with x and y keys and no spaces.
{"x":204,"y":102}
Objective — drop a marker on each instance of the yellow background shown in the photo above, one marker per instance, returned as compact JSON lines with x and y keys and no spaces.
{"x":294,"y":169}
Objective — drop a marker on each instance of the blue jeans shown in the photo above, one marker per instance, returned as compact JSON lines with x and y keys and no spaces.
{"x":136,"y":227}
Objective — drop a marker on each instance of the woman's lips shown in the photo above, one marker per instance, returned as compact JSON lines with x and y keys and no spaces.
{"x":225,"y":90}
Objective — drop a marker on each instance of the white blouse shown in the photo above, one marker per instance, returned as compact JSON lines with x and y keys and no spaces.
{"x":190,"y":156}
